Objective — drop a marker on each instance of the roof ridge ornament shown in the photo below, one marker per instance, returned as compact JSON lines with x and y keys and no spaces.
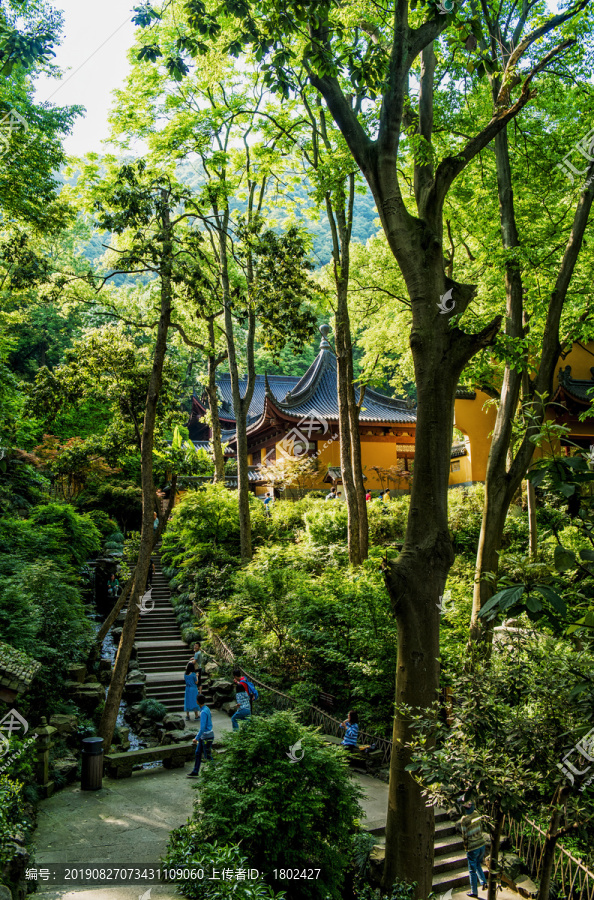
{"x":325,"y":331}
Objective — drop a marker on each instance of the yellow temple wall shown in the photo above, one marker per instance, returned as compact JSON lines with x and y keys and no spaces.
{"x":476,"y":422}
{"x":581,"y":359}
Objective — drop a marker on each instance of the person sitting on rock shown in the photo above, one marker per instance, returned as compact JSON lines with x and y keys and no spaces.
{"x":204,"y":739}
{"x":351,"y":726}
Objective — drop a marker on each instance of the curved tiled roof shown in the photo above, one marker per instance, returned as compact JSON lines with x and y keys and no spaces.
{"x":578,"y":388}
{"x":316,"y":394}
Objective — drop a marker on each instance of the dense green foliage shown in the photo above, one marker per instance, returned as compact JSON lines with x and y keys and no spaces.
{"x":280,"y":812}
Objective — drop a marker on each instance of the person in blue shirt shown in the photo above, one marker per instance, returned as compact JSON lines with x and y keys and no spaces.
{"x":351,"y":726}
{"x":204,"y":738}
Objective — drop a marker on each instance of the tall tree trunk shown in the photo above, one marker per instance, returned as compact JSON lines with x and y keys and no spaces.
{"x":342,"y":369}
{"x":498,"y":817}
{"x":355,"y":445}
{"x":213,"y":403}
{"x":532,"y":526}
{"x":498,"y":489}
{"x":415,"y":581}
{"x":241,"y":404}
{"x":550,"y":843}
{"x":502,"y":479}
{"x":339,"y":209}
{"x":118,"y":679}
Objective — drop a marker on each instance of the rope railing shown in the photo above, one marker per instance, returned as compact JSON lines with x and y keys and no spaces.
{"x":576,"y":880}
{"x":316,"y":716}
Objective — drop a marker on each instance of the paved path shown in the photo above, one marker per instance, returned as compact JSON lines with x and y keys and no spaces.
{"x":128,"y":822}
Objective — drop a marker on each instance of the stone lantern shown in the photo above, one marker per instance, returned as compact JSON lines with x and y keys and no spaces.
{"x":44,"y":744}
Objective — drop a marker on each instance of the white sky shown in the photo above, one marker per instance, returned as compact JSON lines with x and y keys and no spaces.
{"x":96,"y":38}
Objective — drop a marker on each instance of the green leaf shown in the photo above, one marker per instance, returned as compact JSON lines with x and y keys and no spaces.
{"x":587,"y":555}
{"x":533,"y":604}
{"x":564,"y":559}
{"x":503,"y":599}
{"x":553,"y":598}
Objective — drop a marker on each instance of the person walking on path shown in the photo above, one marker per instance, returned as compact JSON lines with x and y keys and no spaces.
{"x":268,"y":501}
{"x":204,"y":739}
{"x":198,"y":662}
{"x":331,"y":495}
{"x":351,"y":726}
{"x":242,"y":696}
{"x":474,"y":844}
{"x":191,"y":695}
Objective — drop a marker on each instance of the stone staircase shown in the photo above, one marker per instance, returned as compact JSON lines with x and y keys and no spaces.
{"x":450,"y":869}
{"x":162,"y":654}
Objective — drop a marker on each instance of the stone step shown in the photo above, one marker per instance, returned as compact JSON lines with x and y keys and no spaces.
{"x":450,"y":880}
{"x":444,"y":828}
{"x":449,"y":846}
{"x":162,"y":645}
{"x":448,"y":863}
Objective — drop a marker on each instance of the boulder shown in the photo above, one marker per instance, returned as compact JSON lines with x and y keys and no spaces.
{"x":223,"y":686}
{"x":77,"y":672}
{"x":65,"y":769}
{"x":91,"y":679}
{"x":65,"y":725}
{"x":512,"y":865}
{"x":173,"y":722}
{"x":134,"y":691}
{"x":135,"y":675}
{"x":105,"y":675}
{"x":211,"y":668}
{"x":229,"y":707}
{"x":177,"y":737}
{"x":105,"y":665}
{"x":87,"y":696}
{"x":5,"y":893}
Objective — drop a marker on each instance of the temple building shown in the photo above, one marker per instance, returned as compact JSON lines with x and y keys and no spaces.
{"x":291,"y":417}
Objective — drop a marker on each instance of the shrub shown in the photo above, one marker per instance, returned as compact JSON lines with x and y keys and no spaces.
{"x":187,"y":851}
{"x":81,"y":535}
{"x":103,"y":522}
{"x":326,"y":523}
{"x":12,"y":818}
{"x":282,"y":813}
{"x":152,"y":709}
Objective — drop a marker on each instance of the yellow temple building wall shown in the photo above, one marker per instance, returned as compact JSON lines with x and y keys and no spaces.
{"x":476,"y":421}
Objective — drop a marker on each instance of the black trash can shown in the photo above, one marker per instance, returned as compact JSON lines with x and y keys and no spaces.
{"x":92,"y":764}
